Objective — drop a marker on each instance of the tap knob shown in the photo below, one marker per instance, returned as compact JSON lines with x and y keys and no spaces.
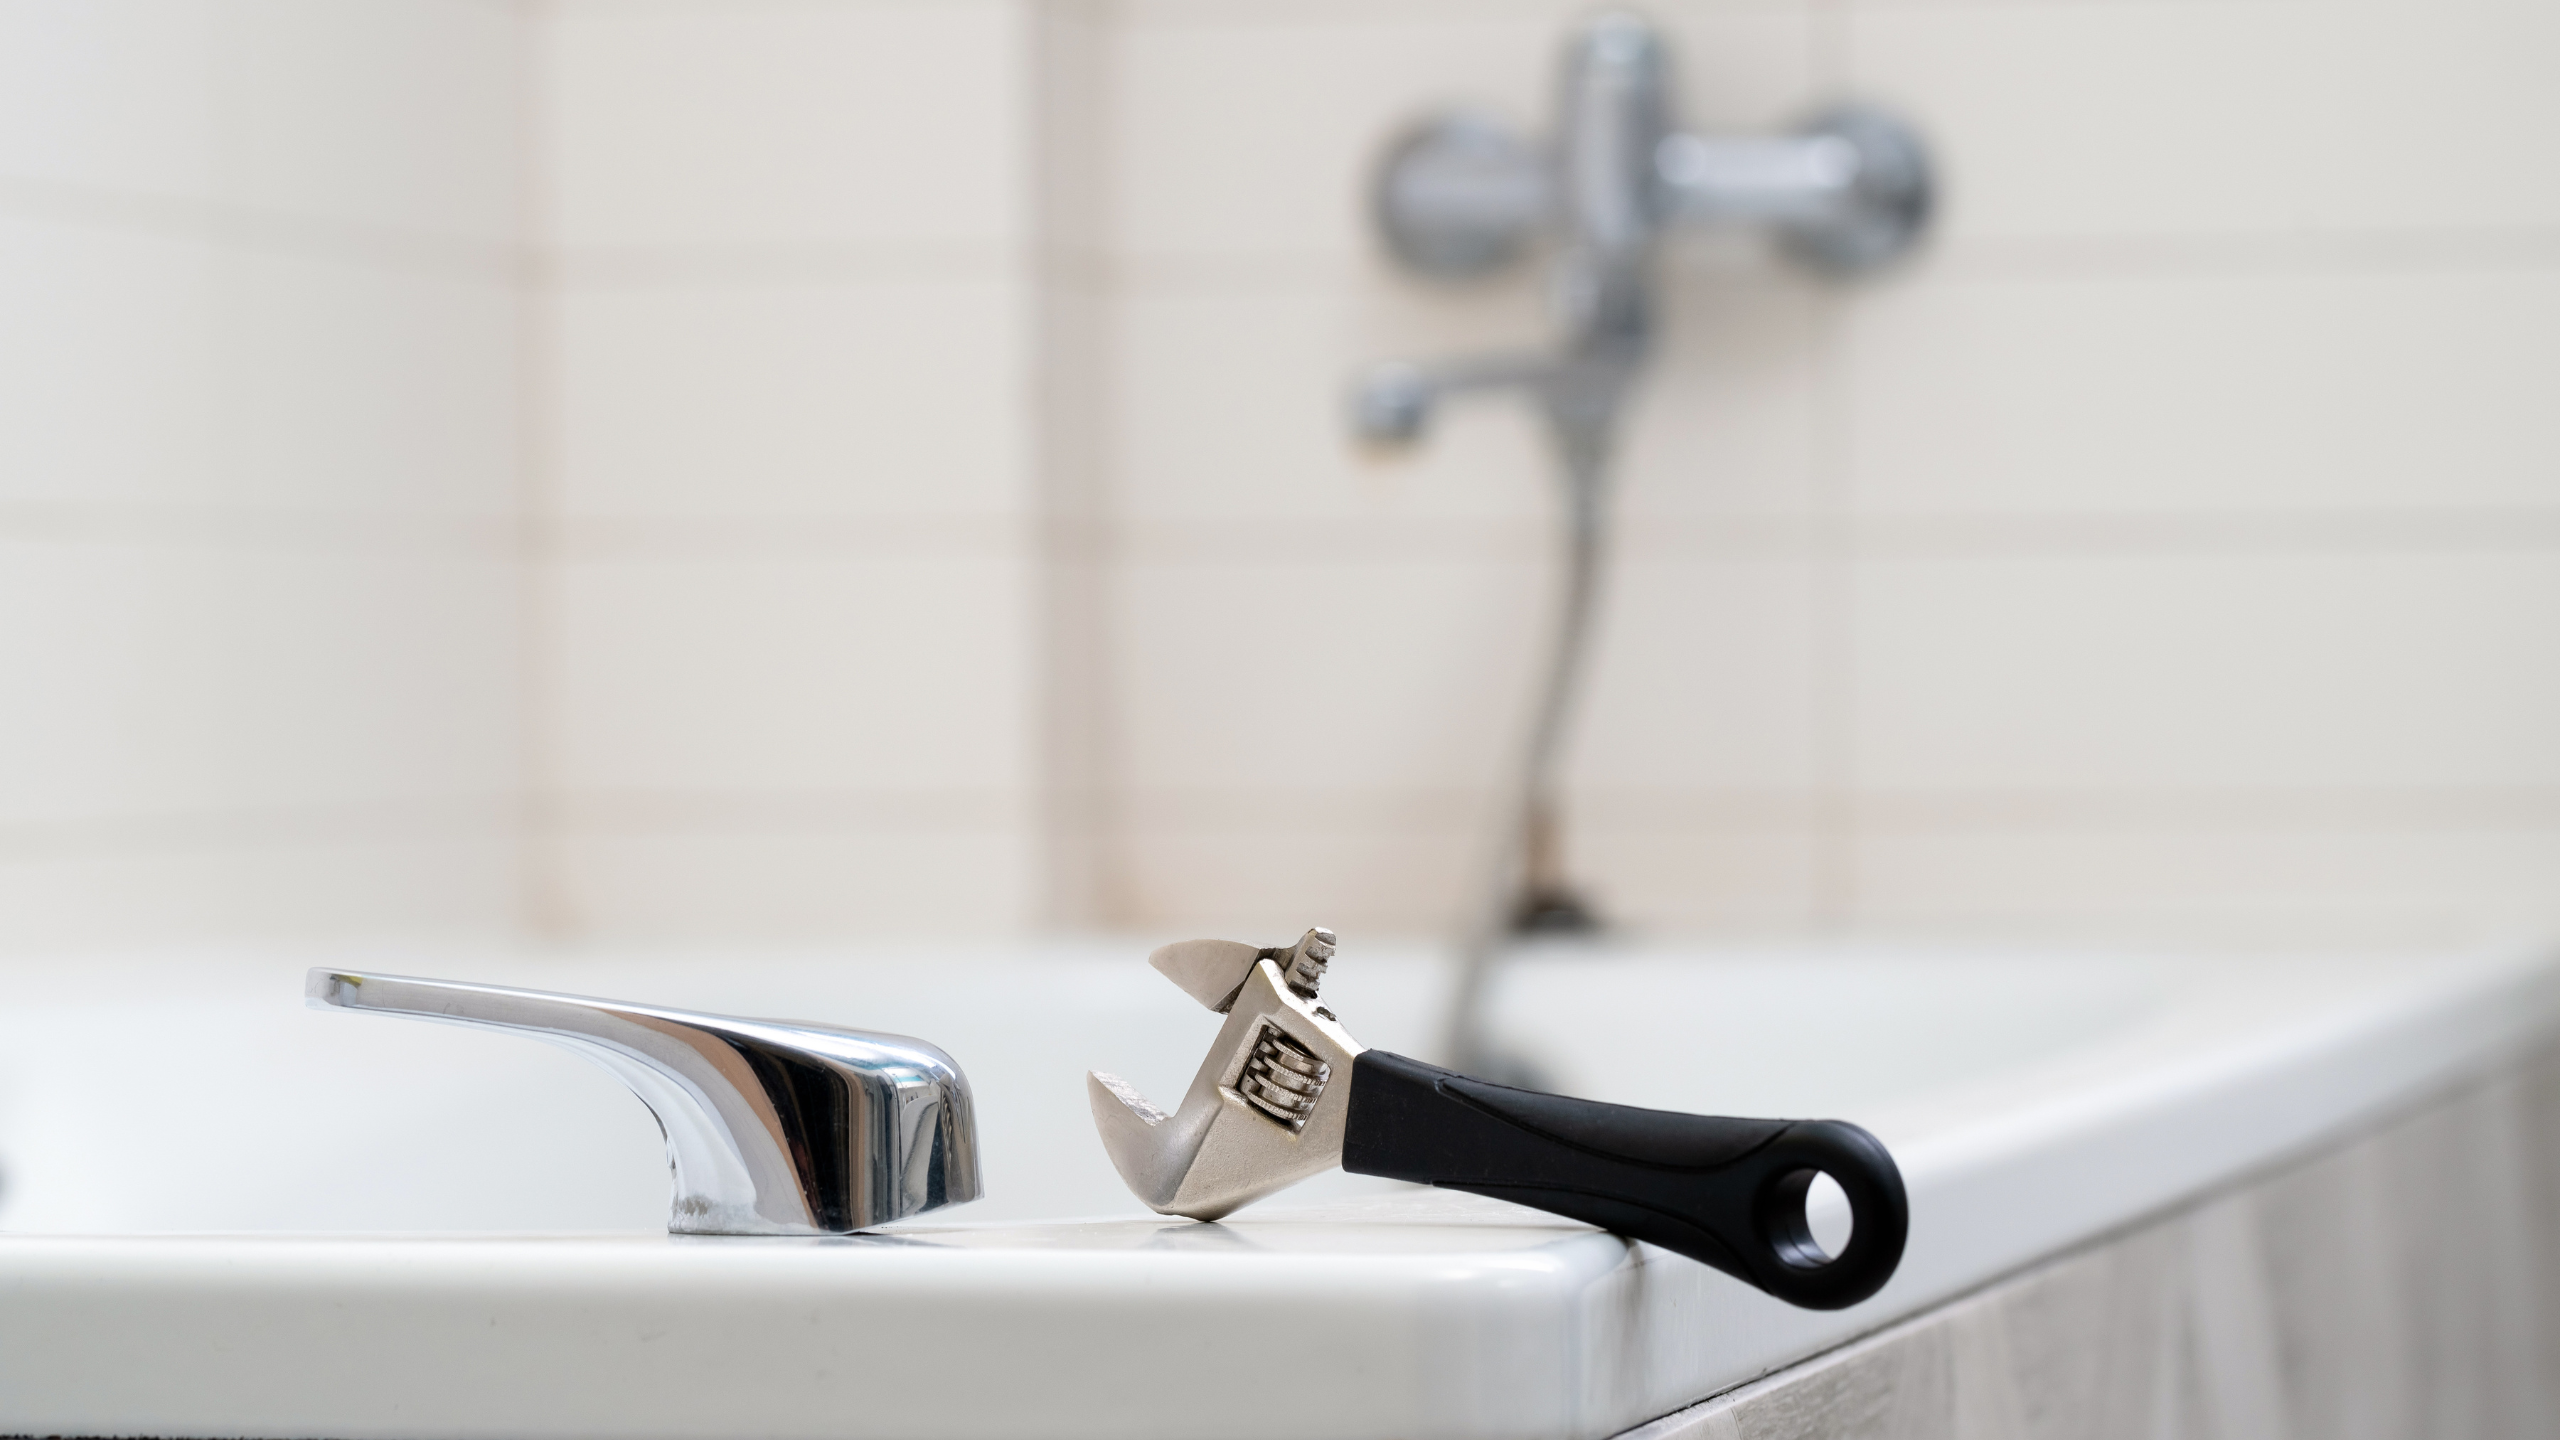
{"x":1461,"y":194}
{"x":774,"y":1127}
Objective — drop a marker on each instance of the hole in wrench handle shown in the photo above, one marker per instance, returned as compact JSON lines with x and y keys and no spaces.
{"x":1726,"y":1192}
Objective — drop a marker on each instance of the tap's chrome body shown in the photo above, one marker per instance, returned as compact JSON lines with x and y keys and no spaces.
{"x":1461,"y":195}
{"x":773,"y":1127}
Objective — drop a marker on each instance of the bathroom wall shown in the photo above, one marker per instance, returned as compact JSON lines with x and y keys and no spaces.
{"x":633,"y":469}
{"x":2175,"y":545}
{"x":259,"y":590}
{"x":789,"y":465}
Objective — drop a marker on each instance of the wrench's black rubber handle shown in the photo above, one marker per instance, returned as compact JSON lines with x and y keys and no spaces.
{"x":1723,"y":1191}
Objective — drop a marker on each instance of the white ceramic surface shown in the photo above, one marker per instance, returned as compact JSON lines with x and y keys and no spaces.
{"x":2034,"y":1100}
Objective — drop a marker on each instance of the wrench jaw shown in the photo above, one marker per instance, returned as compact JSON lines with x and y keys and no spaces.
{"x":1265,"y":1112}
{"x":1209,"y":971}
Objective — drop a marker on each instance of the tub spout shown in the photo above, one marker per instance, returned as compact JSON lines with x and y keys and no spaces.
{"x":774,"y":1127}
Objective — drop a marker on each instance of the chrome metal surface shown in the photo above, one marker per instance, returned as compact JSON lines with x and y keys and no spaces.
{"x":1848,"y":192}
{"x":1267,"y":1107}
{"x":774,"y":1127}
{"x":1460,"y":195}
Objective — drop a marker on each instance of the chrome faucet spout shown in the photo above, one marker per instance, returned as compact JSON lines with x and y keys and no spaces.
{"x":1393,"y":403}
{"x":773,"y":1127}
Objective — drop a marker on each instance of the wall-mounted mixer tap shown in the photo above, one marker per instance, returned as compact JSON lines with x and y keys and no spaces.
{"x":1461,"y":195}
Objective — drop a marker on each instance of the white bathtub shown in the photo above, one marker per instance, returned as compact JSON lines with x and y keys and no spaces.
{"x":226,"y":1214}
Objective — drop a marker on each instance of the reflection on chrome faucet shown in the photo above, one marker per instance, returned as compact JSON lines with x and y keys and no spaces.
{"x":1461,"y":195}
{"x":774,"y":1127}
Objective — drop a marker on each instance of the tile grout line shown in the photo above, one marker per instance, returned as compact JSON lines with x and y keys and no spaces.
{"x":387,"y":821}
{"x":219,"y":222}
{"x":1318,"y":541}
{"x":1066,"y":611}
{"x":544,"y":910}
{"x":1114,"y":868}
{"x":1966,"y":260}
{"x":1830,"y":575}
{"x":334,"y":533}
{"x":2118,"y":810}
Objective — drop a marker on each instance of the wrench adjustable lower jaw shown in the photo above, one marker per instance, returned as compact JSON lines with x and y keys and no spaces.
{"x":1267,"y":1108}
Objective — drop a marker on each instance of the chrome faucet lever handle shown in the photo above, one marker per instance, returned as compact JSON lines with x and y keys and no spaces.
{"x":774,"y":1127}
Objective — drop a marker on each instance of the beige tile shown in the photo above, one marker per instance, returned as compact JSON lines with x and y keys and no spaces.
{"x":1701,"y":678}
{"x":905,"y":397}
{"x":734,"y":885}
{"x":2243,"y":671}
{"x":1253,"y":135}
{"x":461,"y":878}
{"x":398,"y":117}
{"x":1071,"y":88}
{"x":1273,"y":674}
{"x":1269,"y":674}
{"x":1070,"y":385}
{"x":1370,"y":788}
{"x":165,"y":371}
{"x":2155,"y":118}
{"x":404,"y":115}
{"x":2176,"y":392}
{"x":128,"y":334}
{"x":785,"y":124}
{"x":178,"y":680}
{"x":1396,"y":865}
{"x":2369,"y":1289}
{"x":1726,"y":421}
{"x":353,"y":387}
{"x":782,"y":673}
{"x":2272,"y":882}
{"x":109,"y":95}
{"x":1755,"y":871}
{"x":1372,"y":882}
{"x":1229,"y":405}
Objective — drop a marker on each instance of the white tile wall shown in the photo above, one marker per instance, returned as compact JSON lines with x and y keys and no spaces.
{"x":830,"y":872}
{"x":260,"y":876}
{"x":182,"y":677}
{"x":2356,"y":390}
{"x":1242,"y":134}
{"x":392,"y":123}
{"x":2350,"y":877}
{"x":2151,"y":673}
{"x":1703,"y":680}
{"x":399,"y":117}
{"x":861,"y":465}
{"x":118,"y":97}
{"x":885,"y":397}
{"x":767,"y":672}
{"x":177,"y":373}
{"x":788,"y":629}
{"x":119,"y":404}
{"x":258,"y":469}
{"x":2176,"y":540}
{"x":804,"y":127}
{"x":2129,"y":120}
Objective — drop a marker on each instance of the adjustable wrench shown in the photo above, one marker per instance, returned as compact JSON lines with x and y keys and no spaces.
{"x":1286,"y":1093}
